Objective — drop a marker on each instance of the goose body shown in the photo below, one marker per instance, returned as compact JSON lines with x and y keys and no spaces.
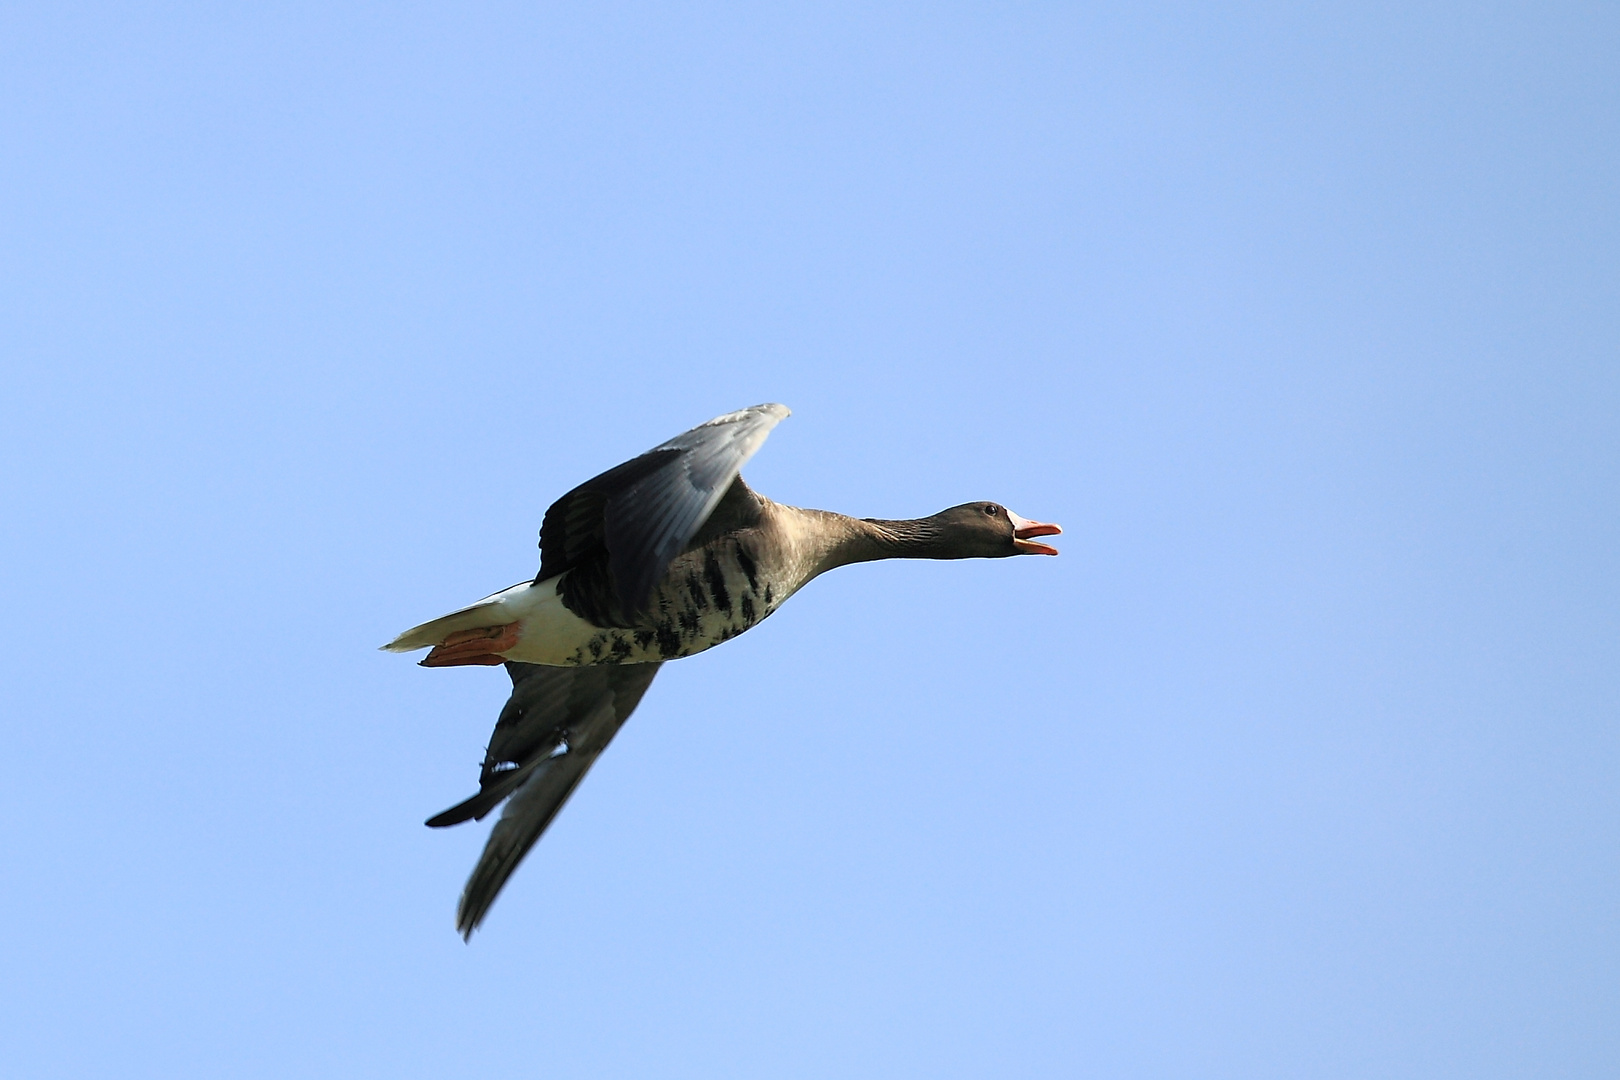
{"x":660,"y":558}
{"x":710,"y":593}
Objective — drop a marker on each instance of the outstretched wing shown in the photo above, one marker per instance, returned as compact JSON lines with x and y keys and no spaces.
{"x":554,"y":726}
{"x":644,"y":512}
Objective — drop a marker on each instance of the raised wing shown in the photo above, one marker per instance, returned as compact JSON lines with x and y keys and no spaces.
{"x":644,"y":512}
{"x":554,"y":726}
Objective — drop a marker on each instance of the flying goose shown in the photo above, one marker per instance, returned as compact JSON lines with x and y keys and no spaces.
{"x":661,"y":557}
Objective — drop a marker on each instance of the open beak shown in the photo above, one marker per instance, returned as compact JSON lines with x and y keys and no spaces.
{"x":1025,"y":530}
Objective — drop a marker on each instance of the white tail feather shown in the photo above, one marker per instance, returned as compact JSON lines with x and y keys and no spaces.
{"x":490,"y":611}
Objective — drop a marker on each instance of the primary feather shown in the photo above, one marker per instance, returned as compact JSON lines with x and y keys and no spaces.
{"x":554,"y":726}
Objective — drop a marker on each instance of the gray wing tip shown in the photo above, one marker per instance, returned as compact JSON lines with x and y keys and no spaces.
{"x":776,"y":412}
{"x":470,"y":918}
{"x":466,"y":925}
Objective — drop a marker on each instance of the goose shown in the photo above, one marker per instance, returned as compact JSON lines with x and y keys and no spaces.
{"x":657,"y":559}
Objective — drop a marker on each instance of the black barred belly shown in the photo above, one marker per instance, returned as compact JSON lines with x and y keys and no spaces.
{"x":706,"y":598}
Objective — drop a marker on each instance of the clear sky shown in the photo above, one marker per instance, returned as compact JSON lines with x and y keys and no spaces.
{"x":1303,"y":320}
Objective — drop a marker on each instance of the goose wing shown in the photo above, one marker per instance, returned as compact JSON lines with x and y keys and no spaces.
{"x":552,"y":729}
{"x":643,"y":513}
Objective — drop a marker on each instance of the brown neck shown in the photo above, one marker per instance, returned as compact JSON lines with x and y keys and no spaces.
{"x":868,"y":539}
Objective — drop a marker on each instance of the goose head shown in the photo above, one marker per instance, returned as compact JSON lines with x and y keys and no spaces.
{"x":988,"y":530}
{"x":975,"y":530}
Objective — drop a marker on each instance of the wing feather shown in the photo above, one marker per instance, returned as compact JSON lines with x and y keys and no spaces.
{"x":644,"y":512}
{"x":551,"y":731}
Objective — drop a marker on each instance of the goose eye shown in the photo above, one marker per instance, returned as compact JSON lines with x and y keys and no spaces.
{"x":992,"y":509}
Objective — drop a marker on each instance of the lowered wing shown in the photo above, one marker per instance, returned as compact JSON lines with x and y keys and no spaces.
{"x":552,"y":729}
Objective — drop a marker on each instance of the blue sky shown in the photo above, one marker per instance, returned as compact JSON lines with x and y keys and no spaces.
{"x":1301,"y":319}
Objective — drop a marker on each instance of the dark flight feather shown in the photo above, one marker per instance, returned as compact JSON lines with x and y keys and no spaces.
{"x":552,"y":729}
{"x":634,"y":518}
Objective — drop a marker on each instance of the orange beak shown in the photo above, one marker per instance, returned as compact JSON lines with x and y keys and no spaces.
{"x":1023,"y":532}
